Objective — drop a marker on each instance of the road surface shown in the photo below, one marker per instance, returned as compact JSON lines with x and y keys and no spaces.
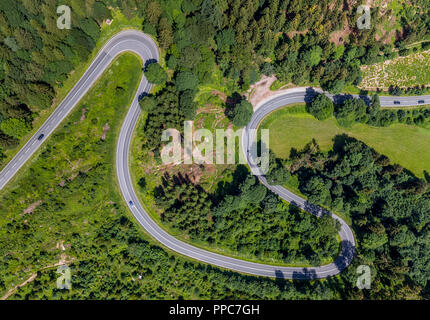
{"x":145,"y":48}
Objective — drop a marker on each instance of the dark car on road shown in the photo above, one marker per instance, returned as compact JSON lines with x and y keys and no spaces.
{"x":421,"y":101}
{"x":396,"y":102}
{"x":131,"y":203}
{"x":41,"y":137}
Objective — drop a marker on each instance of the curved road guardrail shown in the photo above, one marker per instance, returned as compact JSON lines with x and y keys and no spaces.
{"x":142,"y":45}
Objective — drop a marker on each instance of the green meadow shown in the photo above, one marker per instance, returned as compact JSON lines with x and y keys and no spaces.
{"x":292,"y":127}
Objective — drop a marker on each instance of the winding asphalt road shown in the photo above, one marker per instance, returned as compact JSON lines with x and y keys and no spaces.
{"x":145,"y":48}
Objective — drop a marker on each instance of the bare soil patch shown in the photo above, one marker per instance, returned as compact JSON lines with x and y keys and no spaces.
{"x":32,"y":207}
{"x":260,"y":90}
{"x":106,"y":128}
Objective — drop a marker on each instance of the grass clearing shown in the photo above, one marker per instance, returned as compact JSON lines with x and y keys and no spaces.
{"x":293,"y":127}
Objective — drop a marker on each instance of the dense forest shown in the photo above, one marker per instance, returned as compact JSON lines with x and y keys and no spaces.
{"x":388,"y":206}
{"x":122,"y":265}
{"x":246,"y":218}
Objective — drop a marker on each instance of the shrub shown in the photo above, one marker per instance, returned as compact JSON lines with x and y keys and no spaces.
{"x":155,"y":74}
{"x":321,"y":107}
{"x":241,"y":113}
{"x":14,"y":127}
